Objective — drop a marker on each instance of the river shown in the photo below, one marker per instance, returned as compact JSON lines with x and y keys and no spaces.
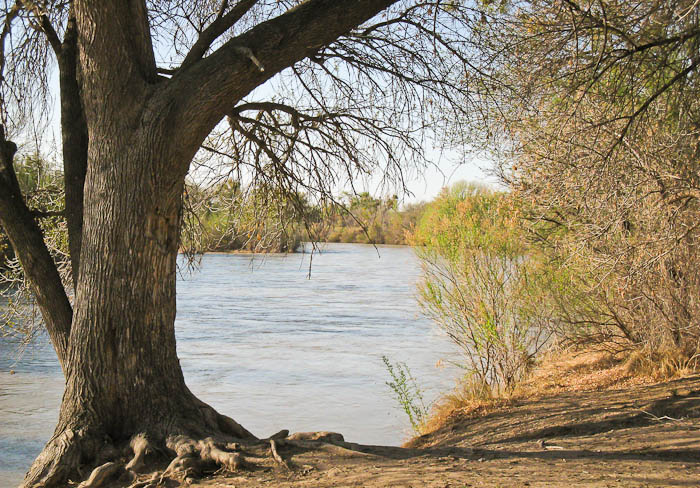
{"x":260,"y":341}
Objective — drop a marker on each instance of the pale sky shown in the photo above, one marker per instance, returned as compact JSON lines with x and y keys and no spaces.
{"x":427,"y":185}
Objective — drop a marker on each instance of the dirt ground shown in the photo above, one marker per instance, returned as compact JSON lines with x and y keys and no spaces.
{"x":636,"y":437}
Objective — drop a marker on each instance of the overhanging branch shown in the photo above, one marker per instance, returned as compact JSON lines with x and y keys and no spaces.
{"x":222,"y":23}
{"x":226,"y":76}
{"x":28,"y":243}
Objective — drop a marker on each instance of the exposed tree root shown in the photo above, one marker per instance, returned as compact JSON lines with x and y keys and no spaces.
{"x":275,"y":455}
{"x":209,"y":451}
{"x":140,"y":447}
{"x":152,"y":481}
{"x":101,"y":474}
{"x":184,"y":466}
{"x":188,"y":457}
{"x":328,"y":441}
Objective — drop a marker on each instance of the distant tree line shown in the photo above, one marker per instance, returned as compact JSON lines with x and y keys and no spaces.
{"x":228,"y":216}
{"x":231,"y":217}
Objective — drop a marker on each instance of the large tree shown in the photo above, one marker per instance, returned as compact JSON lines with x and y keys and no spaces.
{"x":143,"y":85}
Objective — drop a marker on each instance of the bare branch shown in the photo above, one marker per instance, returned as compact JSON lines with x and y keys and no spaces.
{"x":216,"y":28}
{"x":278,"y":43}
{"x":45,"y":25}
{"x":44,"y":214}
{"x":27,"y":241}
{"x":6,"y":29}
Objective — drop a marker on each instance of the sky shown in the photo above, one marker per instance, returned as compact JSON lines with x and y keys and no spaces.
{"x":426,"y":184}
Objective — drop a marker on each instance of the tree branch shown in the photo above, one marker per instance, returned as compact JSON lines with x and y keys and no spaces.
{"x":631,"y":118}
{"x":213,"y":83}
{"x":166,"y":71}
{"x":47,"y":28}
{"x":6,"y":29}
{"x":272,"y":106}
{"x":74,"y":135}
{"x":43,"y":214}
{"x":28,"y":242}
{"x":222,"y":23}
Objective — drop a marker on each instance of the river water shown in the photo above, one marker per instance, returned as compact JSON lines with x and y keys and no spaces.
{"x":260,"y":341}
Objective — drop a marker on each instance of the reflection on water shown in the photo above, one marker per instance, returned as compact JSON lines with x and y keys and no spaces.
{"x":262,"y":343}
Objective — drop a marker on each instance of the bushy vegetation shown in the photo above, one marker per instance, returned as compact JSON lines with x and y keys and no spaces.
{"x":506,"y":286}
{"x":42,"y":186}
{"x":483,"y":284}
{"x":229,"y":217}
{"x":604,"y":159}
{"x":592,"y":113}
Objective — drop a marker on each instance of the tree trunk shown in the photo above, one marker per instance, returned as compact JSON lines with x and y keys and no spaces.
{"x":123,"y":376}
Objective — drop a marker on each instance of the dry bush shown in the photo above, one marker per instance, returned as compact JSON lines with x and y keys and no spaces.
{"x":661,"y":364}
{"x":598,"y":124}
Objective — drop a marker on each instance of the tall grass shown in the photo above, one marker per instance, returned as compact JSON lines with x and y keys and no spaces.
{"x":407,"y":394}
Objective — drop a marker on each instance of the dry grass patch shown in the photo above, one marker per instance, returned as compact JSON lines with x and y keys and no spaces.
{"x":468,"y":399}
{"x":560,"y":371}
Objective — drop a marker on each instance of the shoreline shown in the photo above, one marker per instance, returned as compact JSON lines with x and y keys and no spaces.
{"x":245,"y":251}
{"x":606,"y":427}
{"x":631,"y":437}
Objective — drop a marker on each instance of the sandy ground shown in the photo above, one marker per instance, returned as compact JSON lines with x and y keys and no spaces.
{"x":636,"y":437}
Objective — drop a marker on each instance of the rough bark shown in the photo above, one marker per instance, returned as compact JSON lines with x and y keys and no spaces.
{"x":74,"y":143}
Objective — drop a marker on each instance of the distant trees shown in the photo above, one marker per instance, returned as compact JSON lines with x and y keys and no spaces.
{"x":366,"y":219}
{"x":228,"y":217}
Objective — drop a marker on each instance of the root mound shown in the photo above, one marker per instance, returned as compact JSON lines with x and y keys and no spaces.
{"x":178,"y":458}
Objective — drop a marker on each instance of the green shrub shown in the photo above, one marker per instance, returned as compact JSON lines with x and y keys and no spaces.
{"x":482,"y":285}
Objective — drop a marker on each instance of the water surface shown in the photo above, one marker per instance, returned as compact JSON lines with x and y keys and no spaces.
{"x":263,"y":343}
